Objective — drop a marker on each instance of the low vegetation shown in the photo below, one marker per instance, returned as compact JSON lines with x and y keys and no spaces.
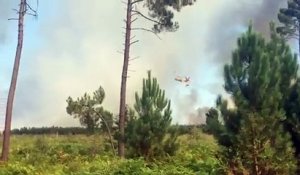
{"x":82,"y":154}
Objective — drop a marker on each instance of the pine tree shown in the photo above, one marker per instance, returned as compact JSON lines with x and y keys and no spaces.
{"x":258,"y":79}
{"x":162,"y":15}
{"x":90,"y":112}
{"x":24,"y":9}
{"x":290,"y":18}
{"x":146,"y":133}
{"x":292,"y":122}
{"x":213,"y":124}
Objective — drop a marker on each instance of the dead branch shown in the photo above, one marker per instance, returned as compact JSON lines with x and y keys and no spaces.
{"x":120,"y":52}
{"x":31,"y":9}
{"x":147,"y":30}
{"x":292,"y":37}
{"x":134,"y":42}
{"x":28,"y":10}
{"x":108,"y":130}
{"x":135,"y":58}
{"x":134,"y":20}
{"x":134,"y":2}
{"x":31,"y":14}
{"x":17,"y":11}
{"x":132,"y":37}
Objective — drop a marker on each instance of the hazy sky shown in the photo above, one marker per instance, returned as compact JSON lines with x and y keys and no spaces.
{"x":72,"y":48}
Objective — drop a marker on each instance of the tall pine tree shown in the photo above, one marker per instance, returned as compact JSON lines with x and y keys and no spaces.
{"x":24,"y":9}
{"x":290,"y":18}
{"x":258,"y":79}
{"x":292,"y":121}
{"x":161,"y":13}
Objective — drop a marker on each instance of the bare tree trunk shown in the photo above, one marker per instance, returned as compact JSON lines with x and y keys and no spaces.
{"x":121,"y":141}
{"x":299,"y":39}
{"x":254,"y":158}
{"x":255,"y":147}
{"x":12,"y":89}
{"x":109,"y":133}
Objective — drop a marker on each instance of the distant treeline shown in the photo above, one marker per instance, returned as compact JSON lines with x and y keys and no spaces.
{"x":49,"y":130}
{"x":183,"y":129}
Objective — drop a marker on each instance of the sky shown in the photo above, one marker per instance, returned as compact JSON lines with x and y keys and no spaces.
{"x":73,"y":47}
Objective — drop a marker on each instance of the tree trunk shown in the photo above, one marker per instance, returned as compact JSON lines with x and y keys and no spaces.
{"x":109,"y":133}
{"x":299,"y":40}
{"x":121,"y":143}
{"x":254,"y":151}
{"x":12,"y":89}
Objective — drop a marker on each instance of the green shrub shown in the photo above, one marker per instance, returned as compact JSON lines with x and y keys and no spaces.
{"x":17,"y":169}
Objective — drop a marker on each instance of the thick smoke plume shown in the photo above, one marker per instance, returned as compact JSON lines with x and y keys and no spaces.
{"x":5,"y":12}
{"x":78,"y":53}
{"x":222,"y":31}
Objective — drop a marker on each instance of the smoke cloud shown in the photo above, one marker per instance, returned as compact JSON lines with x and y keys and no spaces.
{"x":78,"y":52}
{"x":5,"y":9}
{"x":232,"y":22}
{"x":221,"y":31}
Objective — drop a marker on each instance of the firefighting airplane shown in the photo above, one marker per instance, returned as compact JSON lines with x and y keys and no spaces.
{"x":185,"y":80}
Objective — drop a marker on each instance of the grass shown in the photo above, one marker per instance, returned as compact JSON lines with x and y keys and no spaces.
{"x":83,"y":155}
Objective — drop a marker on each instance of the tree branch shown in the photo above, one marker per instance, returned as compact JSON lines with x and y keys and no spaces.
{"x":120,"y":52}
{"x":132,"y":21}
{"x":134,"y":58}
{"x":132,"y":37}
{"x":30,"y":8}
{"x":147,"y":30}
{"x":109,"y":133}
{"x":134,"y":2}
{"x":32,"y":14}
{"x":106,"y":125}
{"x":134,"y":42}
{"x":144,"y":16}
{"x":292,"y":37}
{"x":17,"y":11}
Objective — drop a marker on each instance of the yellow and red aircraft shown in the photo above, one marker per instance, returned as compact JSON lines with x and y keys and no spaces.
{"x":185,"y":80}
